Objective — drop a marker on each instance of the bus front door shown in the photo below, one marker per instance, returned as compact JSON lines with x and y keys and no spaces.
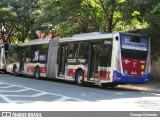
{"x":93,"y":59}
{"x":61,"y":60}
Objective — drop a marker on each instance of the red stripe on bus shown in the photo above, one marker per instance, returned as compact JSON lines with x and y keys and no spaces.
{"x":32,"y":69}
{"x":71,"y":72}
{"x":43,"y":70}
{"x":104,"y":75}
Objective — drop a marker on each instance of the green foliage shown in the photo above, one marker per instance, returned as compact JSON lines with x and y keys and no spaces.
{"x":22,"y":18}
{"x":58,"y":16}
{"x":70,"y":17}
{"x":18,"y":19}
{"x":153,"y":19}
{"x":25,"y":17}
{"x":6,"y":21}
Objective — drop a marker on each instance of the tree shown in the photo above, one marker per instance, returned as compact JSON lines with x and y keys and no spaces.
{"x":153,"y":30}
{"x":134,"y":12}
{"x":111,"y":11}
{"x":21,"y":18}
{"x":25,"y":10}
{"x":60,"y":14}
{"x":145,"y":15}
{"x":70,"y":17}
{"x":17,"y":19}
{"x":7,"y":26}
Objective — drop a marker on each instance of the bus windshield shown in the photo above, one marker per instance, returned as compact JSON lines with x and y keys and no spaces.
{"x":134,"y":46}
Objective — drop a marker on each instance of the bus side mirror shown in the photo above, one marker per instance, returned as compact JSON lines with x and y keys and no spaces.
{"x":116,"y":38}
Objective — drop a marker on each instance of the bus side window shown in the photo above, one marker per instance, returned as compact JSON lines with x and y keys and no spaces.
{"x":36,"y":55}
{"x":43,"y":57}
{"x":6,"y":50}
{"x":28,"y":56}
{"x":71,"y":50}
{"x":82,"y":52}
{"x":43,"y":52}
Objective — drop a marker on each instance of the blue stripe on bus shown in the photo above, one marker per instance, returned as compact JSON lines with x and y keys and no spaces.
{"x":119,"y":78}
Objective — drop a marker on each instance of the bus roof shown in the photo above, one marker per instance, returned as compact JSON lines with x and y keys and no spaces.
{"x":88,"y":36}
{"x":77,"y":37}
{"x":34,"y":42}
{"x":134,"y":34}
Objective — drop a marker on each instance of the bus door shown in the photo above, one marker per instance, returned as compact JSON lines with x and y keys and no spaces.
{"x":62,"y":52}
{"x":22,"y":59}
{"x":93,"y":58}
{"x":100,"y":61}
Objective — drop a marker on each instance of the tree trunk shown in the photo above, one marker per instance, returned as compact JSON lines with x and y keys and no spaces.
{"x":110,"y":24}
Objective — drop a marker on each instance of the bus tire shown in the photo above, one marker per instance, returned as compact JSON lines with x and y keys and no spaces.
{"x":15,"y":71}
{"x":79,"y":78}
{"x":37,"y":73}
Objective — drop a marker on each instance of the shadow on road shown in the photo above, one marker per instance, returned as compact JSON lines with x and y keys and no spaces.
{"x":92,"y":93}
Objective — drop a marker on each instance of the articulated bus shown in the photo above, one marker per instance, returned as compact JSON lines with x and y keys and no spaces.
{"x":107,"y":59}
{"x":3,"y":53}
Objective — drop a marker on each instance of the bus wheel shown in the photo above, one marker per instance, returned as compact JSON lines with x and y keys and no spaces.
{"x":79,"y":78}
{"x":37,"y":73}
{"x":15,"y":71}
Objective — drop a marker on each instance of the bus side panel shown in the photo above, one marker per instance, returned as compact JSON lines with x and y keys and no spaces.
{"x":9,"y":67}
{"x":29,"y":68}
{"x":52,"y":59}
{"x":70,"y":71}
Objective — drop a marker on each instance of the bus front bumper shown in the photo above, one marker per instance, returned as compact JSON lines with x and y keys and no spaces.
{"x":120,"y":79}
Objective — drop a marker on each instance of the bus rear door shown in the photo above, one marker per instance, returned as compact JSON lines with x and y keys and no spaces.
{"x":99,"y":61}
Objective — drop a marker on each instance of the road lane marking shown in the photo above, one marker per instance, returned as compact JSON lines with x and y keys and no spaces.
{"x":35,"y":95}
{"x":1,"y":83}
{"x":21,"y":90}
{"x":8,"y":86}
{"x":6,"y":99}
{"x":63,"y":97}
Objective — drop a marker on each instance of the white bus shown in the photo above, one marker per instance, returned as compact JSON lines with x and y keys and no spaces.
{"x":3,"y":55}
{"x":28,"y":58}
{"x":108,"y":59}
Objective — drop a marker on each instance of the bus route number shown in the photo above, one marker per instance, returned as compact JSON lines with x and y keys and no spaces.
{"x":107,"y":42}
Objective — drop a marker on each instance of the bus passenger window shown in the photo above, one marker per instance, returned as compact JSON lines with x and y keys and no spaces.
{"x":36,"y":56}
{"x":42,"y":57}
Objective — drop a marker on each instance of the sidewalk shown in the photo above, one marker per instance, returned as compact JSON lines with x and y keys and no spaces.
{"x":152,"y":86}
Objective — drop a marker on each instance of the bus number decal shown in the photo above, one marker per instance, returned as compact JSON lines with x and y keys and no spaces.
{"x":107,"y":42}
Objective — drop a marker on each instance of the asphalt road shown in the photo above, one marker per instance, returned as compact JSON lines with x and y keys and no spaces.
{"x":17,"y":91}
